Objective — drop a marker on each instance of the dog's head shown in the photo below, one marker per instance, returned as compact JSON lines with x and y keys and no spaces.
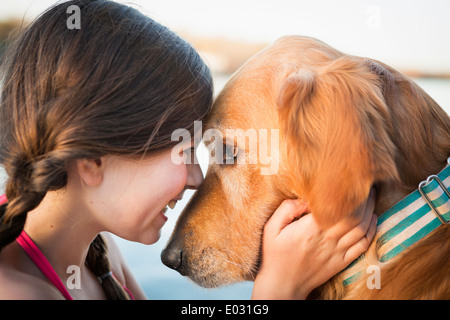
{"x":335,"y":133}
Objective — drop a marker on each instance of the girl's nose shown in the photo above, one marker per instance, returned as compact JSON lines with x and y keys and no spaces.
{"x":194,"y":178}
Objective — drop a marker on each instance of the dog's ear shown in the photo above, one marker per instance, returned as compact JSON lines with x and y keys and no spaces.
{"x":298,"y":86}
{"x":336,"y":125}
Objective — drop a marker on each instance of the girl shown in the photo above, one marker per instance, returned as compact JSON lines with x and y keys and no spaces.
{"x":86,"y":118}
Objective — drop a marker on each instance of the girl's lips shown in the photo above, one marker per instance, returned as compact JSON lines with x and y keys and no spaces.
{"x":171,"y":205}
{"x":163,"y":211}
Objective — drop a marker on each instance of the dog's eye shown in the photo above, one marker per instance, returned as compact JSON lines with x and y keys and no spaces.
{"x":230,"y":154}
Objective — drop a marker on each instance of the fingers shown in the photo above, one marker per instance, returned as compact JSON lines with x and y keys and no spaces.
{"x":360,"y":231}
{"x":370,"y":203}
{"x":284,"y":215}
{"x":359,"y":218}
{"x":365,"y":208}
{"x":361,"y":246}
{"x":372,"y":229}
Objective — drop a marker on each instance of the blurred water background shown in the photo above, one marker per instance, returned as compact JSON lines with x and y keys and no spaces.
{"x":410,"y":35}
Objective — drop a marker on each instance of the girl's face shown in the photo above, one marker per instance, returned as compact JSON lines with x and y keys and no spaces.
{"x":133,"y":193}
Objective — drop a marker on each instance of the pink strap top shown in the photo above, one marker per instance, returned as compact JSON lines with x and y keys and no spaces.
{"x":46,"y":268}
{"x":42,"y":263}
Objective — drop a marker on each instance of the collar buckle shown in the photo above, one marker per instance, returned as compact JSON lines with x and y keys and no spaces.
{"x":427,"y":199}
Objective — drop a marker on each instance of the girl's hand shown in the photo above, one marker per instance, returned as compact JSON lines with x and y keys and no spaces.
{"x":300,"y":256}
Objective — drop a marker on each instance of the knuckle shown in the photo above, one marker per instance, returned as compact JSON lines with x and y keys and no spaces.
{"x":363,"y":245}
{"x":360,"y":233}
{"x":267,"y":227}
{"x":289,"y":204}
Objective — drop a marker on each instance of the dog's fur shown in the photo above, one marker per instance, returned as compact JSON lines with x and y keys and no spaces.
{"x":346,"y":123}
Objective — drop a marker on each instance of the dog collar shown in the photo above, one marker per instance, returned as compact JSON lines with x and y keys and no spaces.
{"x":408,"y":221}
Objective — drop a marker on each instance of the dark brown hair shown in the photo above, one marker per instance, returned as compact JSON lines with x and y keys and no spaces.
{"x":119,"y":85}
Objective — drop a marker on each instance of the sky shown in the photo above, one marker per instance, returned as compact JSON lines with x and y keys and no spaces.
{"x":407,"y":34}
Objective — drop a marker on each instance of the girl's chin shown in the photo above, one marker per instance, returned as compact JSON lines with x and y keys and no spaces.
{"x":155,"y":236}
{"x":149,"y":234}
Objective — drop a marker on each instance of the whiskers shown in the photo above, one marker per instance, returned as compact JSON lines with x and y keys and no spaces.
{"x":248,"y":268}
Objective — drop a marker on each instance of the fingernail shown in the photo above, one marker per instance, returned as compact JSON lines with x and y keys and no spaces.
{"x":373,"y":192}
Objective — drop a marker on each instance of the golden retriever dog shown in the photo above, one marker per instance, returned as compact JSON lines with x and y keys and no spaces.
{"x":346,"y":124}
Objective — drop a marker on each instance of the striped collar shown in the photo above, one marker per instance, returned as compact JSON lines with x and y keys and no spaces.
{"x":408,"y":221}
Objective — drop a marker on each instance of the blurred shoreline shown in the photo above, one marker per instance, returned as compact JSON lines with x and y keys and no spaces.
{"x":223,"y":55}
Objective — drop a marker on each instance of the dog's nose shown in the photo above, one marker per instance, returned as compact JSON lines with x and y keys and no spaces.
{"x":172,"y":257}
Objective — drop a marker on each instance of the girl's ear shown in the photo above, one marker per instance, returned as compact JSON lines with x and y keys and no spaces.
{"x":90,"y":171}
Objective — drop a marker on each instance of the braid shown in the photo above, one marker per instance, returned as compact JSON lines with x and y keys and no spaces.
{"x":97,"y":260}
{"x":25,"y":189}
{"x":11,"y":229}
{"x":21,"y":199}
